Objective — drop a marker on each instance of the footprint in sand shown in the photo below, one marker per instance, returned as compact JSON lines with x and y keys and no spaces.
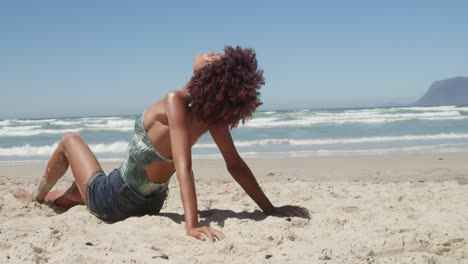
{"x":299,"y":222}
{"x":350,"y":209}
{"x":55,"y":234}
{"x":450,"y":245}
{"x":4,"y":245}
{"x":397,"y":246}
{"x":462,"y":180}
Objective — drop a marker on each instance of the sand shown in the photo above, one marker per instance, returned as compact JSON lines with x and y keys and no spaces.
{"x":364,"y":209}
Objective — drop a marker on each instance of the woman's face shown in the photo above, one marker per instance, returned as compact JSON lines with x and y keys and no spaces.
{"x":201,"y":60}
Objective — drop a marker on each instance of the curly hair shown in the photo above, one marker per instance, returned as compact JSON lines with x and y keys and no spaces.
{"x":227,"y":89}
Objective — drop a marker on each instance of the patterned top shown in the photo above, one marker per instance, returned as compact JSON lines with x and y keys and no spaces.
{"x":141,"y":153}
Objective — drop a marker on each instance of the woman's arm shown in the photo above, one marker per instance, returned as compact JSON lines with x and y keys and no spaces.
{"x":175,"y":104}
{"x":244,"y":176}
{"x":239,"y":169}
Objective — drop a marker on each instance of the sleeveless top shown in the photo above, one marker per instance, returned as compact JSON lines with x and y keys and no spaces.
{"x":141,"y":153}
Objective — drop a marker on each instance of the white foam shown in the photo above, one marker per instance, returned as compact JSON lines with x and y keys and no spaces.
{"x":259,"y":122}
{"x":108,"y":123}
{"x":437,"y":148}
{"x":425,"y":108}
{"x":268,"y":119}
{"x":34,"y":121}
{"x":116,"y":147}
{"x":27,"y":133}
{"x":121,"y":125}
{"x":28,"y":150}
{"x":19,"y":128}
{"x":309,"y":121}
{"x":5,"y":122}
{"x":67,"y":123}
{"x":294,"y":142}
{"x":119,"y":147}
{"x":357,"y":116}
{"x":101,"y":118}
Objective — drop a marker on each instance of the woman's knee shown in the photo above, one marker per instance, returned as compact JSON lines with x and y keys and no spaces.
{"x":70,"y":137}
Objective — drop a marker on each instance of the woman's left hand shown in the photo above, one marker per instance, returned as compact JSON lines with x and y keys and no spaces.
{"x":291,"y":210}
{"x":205,"y":232}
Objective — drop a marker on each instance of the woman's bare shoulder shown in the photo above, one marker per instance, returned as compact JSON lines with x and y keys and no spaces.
{"x":176,"y":95}
{"x":158,"y":110}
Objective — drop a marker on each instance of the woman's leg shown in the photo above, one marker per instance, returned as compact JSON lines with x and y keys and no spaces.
{"x":74,"y":152}
{"x":65,"y":198}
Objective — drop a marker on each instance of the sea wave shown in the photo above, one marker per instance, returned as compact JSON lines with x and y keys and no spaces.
{"x":358,"y":116}
{"x":424,"y":108}
{"x":101,"y":118}
{"x":5,"y":122}
{"x":423,"y":149}
{"x":19,"y":128}
{"x":119,"y":147}
{"x":114,"y":124}
{"x":310,"y":121}
{"x":34,"y":131}
{"x":25,"y":128}
{"x":27,"y":133}
{"x":268,"y":119}
{"x":34,"y":121}
{"x":295,"y":142}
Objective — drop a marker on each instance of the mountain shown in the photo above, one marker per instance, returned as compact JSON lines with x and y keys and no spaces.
{"x":453,"y":91}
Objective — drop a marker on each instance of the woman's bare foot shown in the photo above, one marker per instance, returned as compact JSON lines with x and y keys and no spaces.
{"x":23,"y":195}
{"x":43,"y":189}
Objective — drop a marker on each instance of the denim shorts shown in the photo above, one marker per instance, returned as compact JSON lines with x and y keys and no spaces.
{"x":111,"y":199}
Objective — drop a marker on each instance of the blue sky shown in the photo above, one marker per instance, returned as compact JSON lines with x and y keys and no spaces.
{"x":75,"y":58}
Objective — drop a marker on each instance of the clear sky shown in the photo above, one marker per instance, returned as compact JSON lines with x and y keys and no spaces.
{"x":75,"y":58}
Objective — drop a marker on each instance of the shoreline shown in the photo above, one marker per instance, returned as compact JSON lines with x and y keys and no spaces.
{"x":324,"y":168}
{"x":441,"y":149}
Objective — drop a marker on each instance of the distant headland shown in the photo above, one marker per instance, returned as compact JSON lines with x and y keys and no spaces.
{"x":452,"y":91}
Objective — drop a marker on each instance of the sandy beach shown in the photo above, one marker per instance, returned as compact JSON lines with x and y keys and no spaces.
{"x":364,"y":209}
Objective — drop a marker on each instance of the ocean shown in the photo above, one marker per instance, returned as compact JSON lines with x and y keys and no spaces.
{"x":366,"y":131}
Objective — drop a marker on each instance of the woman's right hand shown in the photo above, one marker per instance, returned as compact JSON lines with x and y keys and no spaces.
{"x":204,"y":232}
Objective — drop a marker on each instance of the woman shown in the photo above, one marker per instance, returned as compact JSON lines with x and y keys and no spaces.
{"x":223,"y":91}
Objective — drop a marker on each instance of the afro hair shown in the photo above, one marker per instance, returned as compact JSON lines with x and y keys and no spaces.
{"x":227,"y":89}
